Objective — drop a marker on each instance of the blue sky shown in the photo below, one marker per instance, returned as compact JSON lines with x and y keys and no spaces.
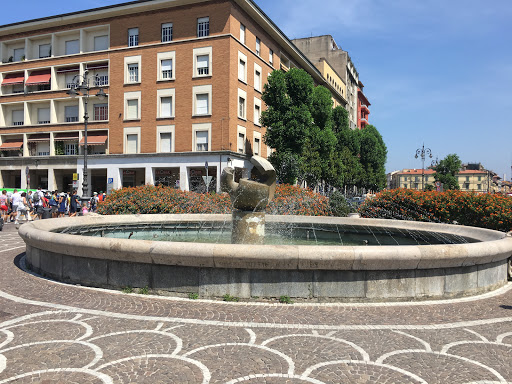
{"x":437,"y":72}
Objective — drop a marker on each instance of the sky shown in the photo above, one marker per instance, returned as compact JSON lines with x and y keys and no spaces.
{"x":436,"y":72}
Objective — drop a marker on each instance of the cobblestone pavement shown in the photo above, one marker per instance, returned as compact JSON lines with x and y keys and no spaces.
{"x":56,"y":333}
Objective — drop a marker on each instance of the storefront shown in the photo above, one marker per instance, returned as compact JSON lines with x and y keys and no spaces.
{"x":169,"y":177}
{"x":198,"y":179}
{"x":133,"y":177}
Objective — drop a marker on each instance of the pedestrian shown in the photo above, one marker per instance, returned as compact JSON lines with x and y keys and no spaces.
{"x":22,"y":208}
{"x":4,"y":205}
{"x":37,"y":201}
{"x":73,"y":204}
{"x":85,"y":211}
{"x":62,"y":202}
{"x":15,"y":200}
{"x":94,"y":201}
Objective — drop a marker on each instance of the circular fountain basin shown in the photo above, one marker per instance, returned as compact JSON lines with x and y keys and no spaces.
{"x":105,"y":251}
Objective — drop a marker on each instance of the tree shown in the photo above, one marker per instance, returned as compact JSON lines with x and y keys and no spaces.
{"x":373,"y":158}
{"x":446,"y":171}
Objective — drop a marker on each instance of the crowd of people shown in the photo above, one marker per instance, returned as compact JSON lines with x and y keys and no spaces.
{"x":44,"y":204}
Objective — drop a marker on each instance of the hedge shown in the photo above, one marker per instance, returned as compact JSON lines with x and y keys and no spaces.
{"x":466,"y":208}
{"x":148,"y":199}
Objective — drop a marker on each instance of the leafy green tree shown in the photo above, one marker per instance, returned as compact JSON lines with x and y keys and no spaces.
{"x":373,"y":158}
{"x":446,"y":171}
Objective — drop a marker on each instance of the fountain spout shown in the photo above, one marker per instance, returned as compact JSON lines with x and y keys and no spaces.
{"x":249,"y":199}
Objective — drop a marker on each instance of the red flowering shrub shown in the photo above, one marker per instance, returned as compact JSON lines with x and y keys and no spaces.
{"x":148,"y":199}
{"x":478,"y":210}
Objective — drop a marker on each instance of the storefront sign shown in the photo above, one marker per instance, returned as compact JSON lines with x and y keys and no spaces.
{"x":128,"y":172}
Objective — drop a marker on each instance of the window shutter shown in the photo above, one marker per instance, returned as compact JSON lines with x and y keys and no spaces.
{"x":165,"y":142}
{"x":241,"y":70}
{"x":202,"y":104}
{"x":132,"y":143}
{"x":166,"y":65}
{"x":241,"y":142}
{"x":18,"y":116}
{"x":202,"y":61}
{"x":101,"y":43}
{"x":71,"y":111}
{"x":165,"y":106}
{"x":72,"y":47}
{"x":43,"y":114}
{"x":132,"y":109}
{"x":44,"y":50}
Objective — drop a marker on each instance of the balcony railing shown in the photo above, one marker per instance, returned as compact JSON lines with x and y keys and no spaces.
{"x":43,"y":122}
{"x":72,"y":119}
{"x":101,"y":81}
{"x":203,"y":71}
{"x":18,"y":123}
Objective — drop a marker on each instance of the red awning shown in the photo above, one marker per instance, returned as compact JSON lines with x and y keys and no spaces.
{"x":13,"y":78}
{"x":66,"y":136}
{"x":11,"y":145}
{"x":94,"y":140}
{"x":39,"y":137}
{"x":39,"y":78}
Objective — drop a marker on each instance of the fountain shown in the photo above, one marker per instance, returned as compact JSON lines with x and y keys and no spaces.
{"x":321,"y":258}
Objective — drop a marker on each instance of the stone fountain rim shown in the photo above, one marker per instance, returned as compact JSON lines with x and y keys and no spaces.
{"x":493,"y":246}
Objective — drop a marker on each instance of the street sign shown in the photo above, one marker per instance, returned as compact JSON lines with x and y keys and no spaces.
{"x":75,"y":183}
{"x":75,"y":177}
{"x":206,"y":165}
{"x":110,"y":180}
{"x":27,"y":170}
{"x":207,"y":180}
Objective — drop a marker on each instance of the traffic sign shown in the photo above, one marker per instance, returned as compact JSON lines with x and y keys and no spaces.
{"x":206,"y":165}
{"x":207,"y":179}
{"x":26,"y":170}
{"x":110,"y":180}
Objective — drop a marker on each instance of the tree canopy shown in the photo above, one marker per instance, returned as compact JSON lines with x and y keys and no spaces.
{"x":446,"y":171}
{"x":313,"y":141}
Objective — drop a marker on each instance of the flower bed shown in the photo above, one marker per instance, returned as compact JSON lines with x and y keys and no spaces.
{"x":478,"y":210}
{"x":148,"y":199}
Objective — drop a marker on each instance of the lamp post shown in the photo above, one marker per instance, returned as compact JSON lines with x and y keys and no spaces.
{"x":422,"y":153}
{"x":81,"y":84}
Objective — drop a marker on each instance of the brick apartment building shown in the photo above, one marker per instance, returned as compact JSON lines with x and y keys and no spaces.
{"x":183,"y":79}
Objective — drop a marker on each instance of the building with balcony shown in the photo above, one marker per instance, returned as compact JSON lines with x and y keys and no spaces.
{"x":184,"y":81}
{"x":324,"y":47}
{"x":363,"y":105}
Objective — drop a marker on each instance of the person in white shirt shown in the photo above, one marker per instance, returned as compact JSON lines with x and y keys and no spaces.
{"x":15,"y":200}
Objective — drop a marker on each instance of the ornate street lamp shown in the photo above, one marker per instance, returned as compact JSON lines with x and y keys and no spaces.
{"x":422,"y":153}
{"x":81,"y":84}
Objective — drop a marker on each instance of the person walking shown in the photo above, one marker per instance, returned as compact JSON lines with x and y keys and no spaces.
{"x":15,"y":200}
{"x":23,"y":208}
{"x":74,"y":204}
{"x":37,"y":201}
{"x":63,"y":201}
{"x":4,"y":205}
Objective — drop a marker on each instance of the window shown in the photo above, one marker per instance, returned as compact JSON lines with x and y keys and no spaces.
{"x":19,"y":53}
{"x":165,"y":134}
{"x":257,"y":77}
{"x":257,"y":145}
{"x":43,"y":149}
{"x":18,"y":117}
{"x":43,"y":115}
{"x":132,"y":140}
{"x":258,"y":46}
{"x":479,"y":186}
{"x":201,"y":141}
{"x":101,"y":79}
{"x":166,"y":32}
{"x":203,"y":65}
{"x":202,"y":104}
{"x":166,"y":106}
{"x":165,"y":142}
{"x":133,"y":73}
{"x":133,"y":37}
{"x":71,"y":113}
{"x":203,"y":27}
{"x":241,"y":135}
{"x":242,"y":97}
{"x":467,"y":178}
{"x":202,"y":100}
{"x":242,"y":70}
{"x":72,"y":47}
{"x":132,"y":109}
{"x":101,"y":43}
{"x":479,"y":178}
{"x":271,"y":57}
{"x":44,"y":50}
{"x":100,"y":112}
{"x":70,"y":149}
{"x":242,"y":33}
{"x":257,"y":114}
{"x":166,"y":67}
{"x":18,"y":88}
{"x":132,"y":143}
{"x":202,"y":62}
{"x":70,"y":80}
